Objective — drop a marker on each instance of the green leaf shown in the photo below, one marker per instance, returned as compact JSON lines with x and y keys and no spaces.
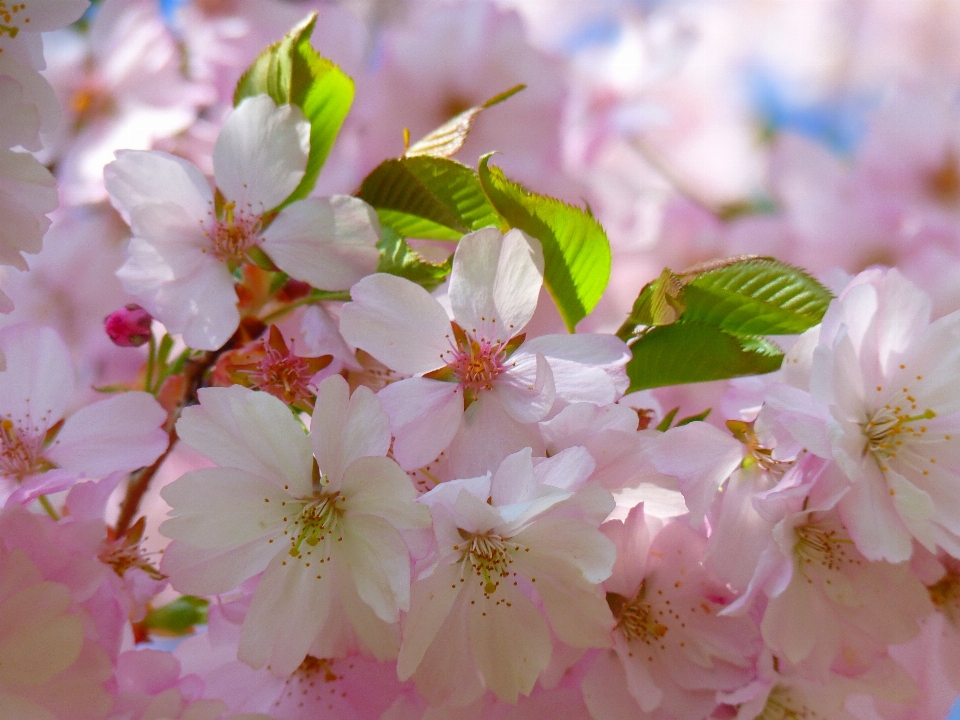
{"x":398,"y":258}
{"x":179,"y":616}
{"x":576,"y":252}
{"x":428,"y":197}
{"x":664,"y":424}
{"x":659,"y":303}
{"x":699,"y":417}
{"x":689,"y":352}
{"x":755,"y":296}
{"x":447,"y":139}
{"x":292,"y":72}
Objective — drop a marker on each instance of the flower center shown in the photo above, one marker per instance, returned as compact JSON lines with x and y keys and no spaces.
{"x":20,"y":451}
{"x":318,"y":520}
{"x":487,"y":554}
{"x":478,"y":364}
{"x":12,"y":18}
{"x":890,"y":426}
{"x":817,"y":543}
{"x":636,"y":618}
{"x":233,"y":234}
{"x":285,"y":376}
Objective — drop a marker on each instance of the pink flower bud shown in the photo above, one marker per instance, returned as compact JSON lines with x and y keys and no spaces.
{"x":129,"y":326}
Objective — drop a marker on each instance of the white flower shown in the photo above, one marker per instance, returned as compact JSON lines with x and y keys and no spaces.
{"x":326,"y":535}
{"x":529,"y":529}
{"x":183,"y":249}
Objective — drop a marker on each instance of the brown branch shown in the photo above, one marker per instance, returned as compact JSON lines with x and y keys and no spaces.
{"x":139,"y":483}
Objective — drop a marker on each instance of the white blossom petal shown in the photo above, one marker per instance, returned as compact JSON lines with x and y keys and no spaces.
{"x":139,"y":177}
{"x":398,"y":322}
{"x":431,"y":600}
{"x":289,"y":607}
{"x":330,"y":243}
{"x":346,"y":427}
{"x":251,"y":431}
{"x":223,"y":507}
{"x":38,"y":382}
{"x":261,"y":153}
{"x":509,"y":640}
{"x":495,"y":283}
{"x":379,"y":564}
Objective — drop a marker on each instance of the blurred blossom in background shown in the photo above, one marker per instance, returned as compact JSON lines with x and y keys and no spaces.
{"x":825,"y":133}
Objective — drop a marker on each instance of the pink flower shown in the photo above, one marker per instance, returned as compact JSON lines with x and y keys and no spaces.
{"x":672,"y":650}
{"x":479,"y":385}
{"x":38,"y":454}
{"x":528,"y":531}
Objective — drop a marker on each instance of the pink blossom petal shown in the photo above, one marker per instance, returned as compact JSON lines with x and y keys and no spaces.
{"x":398,"y":322}
{"x":526,"y":390}
{"x":495,"y":283}
{"x":345,"y":428}
{"x":121,"y":433}
{"x":424,"y":417}
{"x":605,"y":690}
{"x":330,"y":243}
{"x":261,"y":154}
{"x":701,"y":457}
{"x":251,"y":431}
{"x":870,"y":516}
{"x":486,"y":436}
{"x":586,"y":367}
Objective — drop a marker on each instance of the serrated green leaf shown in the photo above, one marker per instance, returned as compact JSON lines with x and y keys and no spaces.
{"x":398,"y":258}
{"x":689,"y":352}
{"x":447,"y":139}
{"x":428,"y":197}
{"x":755,"y":296}
{"x":576,"y":252}
{"x":178,"y":617}
{"x":293,"y":73}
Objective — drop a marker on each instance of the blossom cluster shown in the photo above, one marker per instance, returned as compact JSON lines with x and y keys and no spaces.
{"x":299,"y":419}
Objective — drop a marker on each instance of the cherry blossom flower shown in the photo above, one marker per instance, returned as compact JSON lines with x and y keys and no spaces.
{"x":327,"y":540}
{"x":40,"y":451}
{"x":829,"y":607}
{"x":884,"y":404}
{"x":526,"y":531}
{"x":478,"y":385}
{"x":672,"y":652}
{"x":184,"y":248}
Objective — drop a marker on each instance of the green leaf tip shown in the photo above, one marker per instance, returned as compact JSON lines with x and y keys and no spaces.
{"x":576,"y":251}
{"x":291,"y":72}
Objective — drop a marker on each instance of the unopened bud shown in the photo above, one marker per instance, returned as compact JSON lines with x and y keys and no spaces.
{"x":129,"y":326}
